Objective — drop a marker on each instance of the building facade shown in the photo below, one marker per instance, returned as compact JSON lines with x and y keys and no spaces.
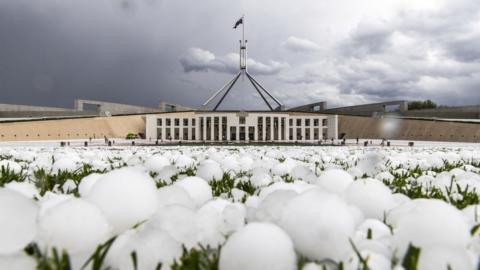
{"x":241,"y":126}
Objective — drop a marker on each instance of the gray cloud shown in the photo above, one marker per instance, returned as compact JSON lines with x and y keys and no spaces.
{"x":296,"y":44}
{"x":196,"y":59}
{"x":144,"y":51}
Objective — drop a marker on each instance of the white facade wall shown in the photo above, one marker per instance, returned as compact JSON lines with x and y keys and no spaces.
{"x":327,"y":126}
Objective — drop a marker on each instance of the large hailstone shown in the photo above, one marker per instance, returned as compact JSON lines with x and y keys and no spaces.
{"x":74,"y":225}
{"x":126,"y":196}
{"x":335,"y":180}
{"x":320,"y":225}
{"x":371,"y":196}
{"x":271,"y":208}
{"x":178,"y":221}
{"x":218,"y":218}
{"x":258,"y":246}
{"x":17,"y":221}
{"x":169,"y":195}
{"x":197,"y":188}
{"x":444,"y":258}
{"x":429,"y":223}
{"x":156,"y":163}
{"x":151,"y":247}
{"x":17,"y":261}
{"x":210,"y":170}
{"x":87,"y":183}
{"x":64,"y":164}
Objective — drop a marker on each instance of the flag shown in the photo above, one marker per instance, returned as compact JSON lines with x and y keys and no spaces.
{"x":240,"y":21}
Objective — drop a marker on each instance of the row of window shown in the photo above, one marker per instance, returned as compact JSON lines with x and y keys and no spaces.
{"x":186,"y":121}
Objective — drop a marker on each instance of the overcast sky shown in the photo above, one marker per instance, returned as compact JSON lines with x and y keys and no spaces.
{"x":143,"y":51}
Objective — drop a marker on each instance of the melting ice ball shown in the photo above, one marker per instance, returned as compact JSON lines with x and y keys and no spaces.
{"x":126,"y":196}
{"x":17,"y":221}
{"x":74,"y":225}
{"x":320,"y":224}
{"x":258,"y":246}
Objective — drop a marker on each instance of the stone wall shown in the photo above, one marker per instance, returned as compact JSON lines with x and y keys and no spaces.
{"x":80,"y":128}
{"x":407,"y":129}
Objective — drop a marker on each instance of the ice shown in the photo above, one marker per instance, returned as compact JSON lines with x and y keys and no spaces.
{"x":427,"y":223}
{"x":330,"y":224}
{"x":472,"y":213}
{"x":210,"y":170}
{"x":51,"y":199}
{"x":178,"y":221}
{"x":218,"y":218}
{"x":335,"y":180}
{"x":438,"y":257}
{"x":166,"y":173}
{"x":169,"y":195}
{"x":258,"y":246}
{"x":17,"y":261}
{"x":18,"y":221}
{"x":75,"y":225}
{"x":150,"y":246}
{"x":197,"y":188}
{"x":184,"y":161}
{"x":260,"y":179}
{"x":69,"y":186}
{"x":10,"y":165}
{"x":26,"y":189}
{"x":87,"y":183}
{"x":64,"y":164}
{"x":272,"y":207}
{"x":126,"y":196}
{"x":156,"y":163}
{"x":371,"y":196}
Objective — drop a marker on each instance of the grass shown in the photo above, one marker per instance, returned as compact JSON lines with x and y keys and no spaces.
{"x":206,"y":258}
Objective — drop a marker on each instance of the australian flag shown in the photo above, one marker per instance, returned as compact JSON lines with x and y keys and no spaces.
{"x":240,"y":21}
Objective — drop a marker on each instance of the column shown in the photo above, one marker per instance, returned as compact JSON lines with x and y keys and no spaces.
{"x":303,"y":129}
{"x":279,"y":129}
{"x":180,"y":133}
{"x":287,"y":128}
{"x":255,"y":131}
{"x":189,"y":129}
{"x":220,"y":131}
{"x":238,"y":131}
{"x":212,"y":138}
{"x":271,"y":129}
{"x":163,"y":130}
{"x":204,"y":128}
{"x":197,"y":129}
{"x":264,"y":124}
{"x":228,"y":133}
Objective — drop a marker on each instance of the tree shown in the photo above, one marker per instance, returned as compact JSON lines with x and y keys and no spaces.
{"x":421,"y":105}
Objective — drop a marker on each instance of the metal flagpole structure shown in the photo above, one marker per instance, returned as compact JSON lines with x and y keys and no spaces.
{"x":243,"y":71}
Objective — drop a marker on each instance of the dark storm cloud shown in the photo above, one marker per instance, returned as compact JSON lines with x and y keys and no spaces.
{"x":145,"y":51}
{"x":414,"y":55}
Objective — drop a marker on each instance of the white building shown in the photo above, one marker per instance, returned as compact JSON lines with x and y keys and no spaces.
{"x":241,"y":126}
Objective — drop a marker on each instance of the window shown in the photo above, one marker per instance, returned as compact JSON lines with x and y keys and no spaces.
{"x":193,"y":121}
{"x":299,"y":122}
{"x":177,"y":122}
{"x":168,"y":122}
{"x":290,"y":122}
{"x":185,"y":121}
{"x":159,"y":121}
{"x":307,"y":122}
{"x":324,"y":122}
{"x":159,"y":133}
{"x":177,"y":133}
{"x":315,"y":122}
{"x":185,"y":134}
